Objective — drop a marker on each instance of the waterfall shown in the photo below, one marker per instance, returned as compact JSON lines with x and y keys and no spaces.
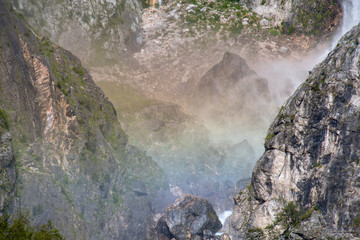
{"x":351,"y":17}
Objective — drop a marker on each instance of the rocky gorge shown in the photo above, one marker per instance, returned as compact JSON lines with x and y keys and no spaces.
{"x":197,"y":98}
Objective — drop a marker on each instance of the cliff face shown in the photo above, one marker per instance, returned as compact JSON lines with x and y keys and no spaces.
{"x":63,"y":154}
{"x":310,"y":17}
{"x":93,"y":30}
{"x":307,"y":183}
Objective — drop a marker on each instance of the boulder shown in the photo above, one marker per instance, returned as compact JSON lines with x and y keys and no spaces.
{"x":189,"y":218}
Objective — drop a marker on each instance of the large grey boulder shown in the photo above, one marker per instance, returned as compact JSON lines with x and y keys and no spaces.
{"x":190,"y":217}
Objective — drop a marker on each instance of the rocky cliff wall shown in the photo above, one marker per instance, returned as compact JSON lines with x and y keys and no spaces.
{"x":70,"y":161}
{"x":307,"y":183}
{"x":310,"y":17}
{"x":93,"y":30}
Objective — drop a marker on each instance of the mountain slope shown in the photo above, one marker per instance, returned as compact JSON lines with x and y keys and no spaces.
{"x":93,"y":30}
{"x":307,"y":183}
{"x":70,"y":161}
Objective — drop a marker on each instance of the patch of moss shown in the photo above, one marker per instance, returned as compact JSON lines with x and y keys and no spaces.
{"x":356,"y":221}
{"x":269,"y":136}
{"x":79,"y":70}
{"x":4,"y":120}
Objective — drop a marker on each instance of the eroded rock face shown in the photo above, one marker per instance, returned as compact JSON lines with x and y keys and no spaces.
{"x":73,"y":163}
{"x":310,"y":17}
{"x":312,"y":156}
{"x":188,"y":218}
{"x":92,"y":30}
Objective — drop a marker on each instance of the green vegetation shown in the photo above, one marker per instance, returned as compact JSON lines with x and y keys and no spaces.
{"x":318,"y":165}
{"x":79,"y":70}
{"x":290,"y":217}
{"x":218,"y":17}
{"x":313,"y":20}
{"x":4,"y":120}
{"x":254,"y":234}
{"x":269,"y":136}
{"x":20,"y":229}
{"x":46,"y":48}
{"x":356,"y":221}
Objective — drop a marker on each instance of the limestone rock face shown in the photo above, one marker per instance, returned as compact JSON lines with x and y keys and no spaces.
{"x":73,"y":163}
{"x":311,"y":17}
{"x":189,"y":217}
{"x":92,"y":30}
{"x":311,"y":158}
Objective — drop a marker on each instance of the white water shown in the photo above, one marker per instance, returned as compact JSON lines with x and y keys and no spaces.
{"x":351,"y":17}
{"x":223,"y":216}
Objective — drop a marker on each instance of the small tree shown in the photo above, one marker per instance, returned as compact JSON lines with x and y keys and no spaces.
{"x":21,"y":229}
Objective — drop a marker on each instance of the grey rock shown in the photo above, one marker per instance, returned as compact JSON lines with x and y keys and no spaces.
{"x":312,"y":155}
{"x":319,"y":17}
{"x":191,"y":216}
{"x":264,"y":23}
{"x":92,"y":30}
{"x":73,"y":163}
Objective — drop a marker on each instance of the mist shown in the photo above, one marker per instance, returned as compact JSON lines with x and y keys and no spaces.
{"x":208,"y":141}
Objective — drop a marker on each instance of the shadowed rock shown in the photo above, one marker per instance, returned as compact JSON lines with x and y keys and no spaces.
{"x":189,"y":218}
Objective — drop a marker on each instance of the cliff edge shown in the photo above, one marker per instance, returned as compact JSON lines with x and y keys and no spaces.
{"x":307,"y":183}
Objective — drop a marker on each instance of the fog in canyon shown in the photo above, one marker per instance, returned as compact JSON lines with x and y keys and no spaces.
{"x":202,"y":113}
{"x":195,"y":88}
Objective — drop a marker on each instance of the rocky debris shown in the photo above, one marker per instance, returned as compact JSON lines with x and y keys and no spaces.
{"x":264,"y":23}
{"x":179,"y":47}
{"x":93,"y":30}
{"x":189,"y":217}
{"x":306,"y":184}
{"x":284,"y":51}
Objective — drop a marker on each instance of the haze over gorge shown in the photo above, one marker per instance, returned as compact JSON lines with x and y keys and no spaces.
{"x":180,"y":119}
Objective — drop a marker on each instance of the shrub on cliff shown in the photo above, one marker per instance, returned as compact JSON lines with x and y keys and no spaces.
{"x":20,"y":228}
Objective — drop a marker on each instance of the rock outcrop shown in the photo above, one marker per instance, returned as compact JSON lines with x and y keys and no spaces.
{"x":310,"y":17}
{"x":68,"y":159}
{"x":307,"y":183}
{"x":232,"y":92}
{"x":189,"y":217}
{"x":95,"y":31}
